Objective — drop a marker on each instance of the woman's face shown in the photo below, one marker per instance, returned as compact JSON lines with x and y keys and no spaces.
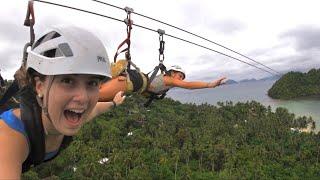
{"x":177,"y":75}
{"x":71,"y":99}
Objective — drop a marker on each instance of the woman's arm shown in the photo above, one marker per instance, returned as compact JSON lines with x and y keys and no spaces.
{"x":169,"y":81}
{"x":102,"y":107}
{"x":13,"y":152}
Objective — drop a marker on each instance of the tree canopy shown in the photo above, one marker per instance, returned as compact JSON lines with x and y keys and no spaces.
{"x":171,"y":140}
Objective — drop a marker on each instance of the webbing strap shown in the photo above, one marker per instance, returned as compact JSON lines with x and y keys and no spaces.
{"x":30,"y":20}
{"x":154,"y":96}
{"x":127,"y":41}
{"x":156,"y":70}
{"x":33,"y":125}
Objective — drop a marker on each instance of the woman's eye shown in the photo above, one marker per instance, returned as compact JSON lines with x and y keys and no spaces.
{"x":67,"y":80}
{"x":94,"y":83}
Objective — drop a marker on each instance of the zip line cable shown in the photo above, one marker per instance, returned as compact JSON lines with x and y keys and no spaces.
{"x":143,"y":27}
{"x":190,"y":42}
{"x":201,"y":37}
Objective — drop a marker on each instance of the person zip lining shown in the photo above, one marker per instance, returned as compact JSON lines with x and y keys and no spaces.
{"x":134,"y":81}
{"x":154,"y":87}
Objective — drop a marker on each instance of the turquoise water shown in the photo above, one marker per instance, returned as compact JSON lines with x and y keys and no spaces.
{"x":246,"y":92}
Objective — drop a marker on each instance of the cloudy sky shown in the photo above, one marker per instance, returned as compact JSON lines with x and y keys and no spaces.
{"x":283,"y":35}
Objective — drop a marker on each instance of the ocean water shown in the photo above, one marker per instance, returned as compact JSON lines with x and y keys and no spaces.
{"x":249,"y":91}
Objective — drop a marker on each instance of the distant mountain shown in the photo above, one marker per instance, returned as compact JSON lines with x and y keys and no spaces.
{"x":230,"y":81}
{"x":248,"y":80}
{"x":270,"y":78}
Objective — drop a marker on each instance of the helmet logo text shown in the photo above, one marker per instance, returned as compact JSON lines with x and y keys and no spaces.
{"x":101,"y":59}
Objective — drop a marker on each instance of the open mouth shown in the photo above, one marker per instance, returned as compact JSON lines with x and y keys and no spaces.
{"x":73,"y":116}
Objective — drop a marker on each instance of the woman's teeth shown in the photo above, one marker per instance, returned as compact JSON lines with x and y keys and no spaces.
{"x":73,"y":116}
{"x":76,"y":111}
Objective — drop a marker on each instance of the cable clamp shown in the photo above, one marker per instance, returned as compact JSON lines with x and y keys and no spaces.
{"x":128,"y":10}
{"x":161,"y":32}
{"x":126,"y":21}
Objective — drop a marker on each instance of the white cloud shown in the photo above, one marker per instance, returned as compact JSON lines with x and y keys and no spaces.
{"x":253,"y":28}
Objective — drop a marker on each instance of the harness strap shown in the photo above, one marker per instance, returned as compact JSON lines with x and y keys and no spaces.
{"x":156,"y":70}
{"x":30,"y":20}
{"x":154,"y":96}
{"x":127,"y":41}
{"x":34,"y":128}
{"x":161,"y":67}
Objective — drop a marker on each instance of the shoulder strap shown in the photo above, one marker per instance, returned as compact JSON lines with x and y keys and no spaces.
{"x":33,"y":125}
{"x":156,"y":70}
{"x":153,"y":75}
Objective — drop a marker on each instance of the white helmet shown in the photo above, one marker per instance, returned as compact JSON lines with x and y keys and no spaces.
{"x":178,"y":69}
{"x":69,"y":50}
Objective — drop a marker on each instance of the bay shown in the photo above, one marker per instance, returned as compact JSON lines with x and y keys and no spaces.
{"x":249,"y":91}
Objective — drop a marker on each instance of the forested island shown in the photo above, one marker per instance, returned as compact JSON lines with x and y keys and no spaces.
{"x":170,"y":140}
{"x":296,"y":84}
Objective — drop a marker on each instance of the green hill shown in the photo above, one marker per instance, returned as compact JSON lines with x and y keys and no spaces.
{"x":296,"y":84}
{"x":171,"y":140}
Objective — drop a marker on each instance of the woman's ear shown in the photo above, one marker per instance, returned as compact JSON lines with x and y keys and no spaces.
{"x":39,"y":86}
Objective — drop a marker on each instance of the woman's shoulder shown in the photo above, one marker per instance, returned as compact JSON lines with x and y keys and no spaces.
{"x":12,"y":141}
{"x":11,"y":126}
{"x":10,"y":122}
{"x":12,"y":119}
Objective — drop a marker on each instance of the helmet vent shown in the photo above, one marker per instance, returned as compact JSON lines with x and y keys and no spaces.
{"x":49,"y":36}
{"x":66,"y":50}
{"x":52,"y":53}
